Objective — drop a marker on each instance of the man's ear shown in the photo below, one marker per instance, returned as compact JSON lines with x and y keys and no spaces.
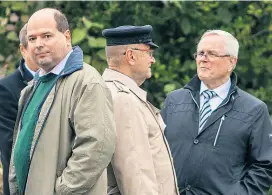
{"x":233,"y":62}
{"x":130,"y":57}
{"x":67,"y":35}
{"x":23,"y":51}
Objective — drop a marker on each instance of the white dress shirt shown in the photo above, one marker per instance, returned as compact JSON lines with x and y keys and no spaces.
{"x":58,"y":68}
{"x":221,"y":91}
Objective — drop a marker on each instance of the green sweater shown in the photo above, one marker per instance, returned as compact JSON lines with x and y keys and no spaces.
{"x":28,"y":124}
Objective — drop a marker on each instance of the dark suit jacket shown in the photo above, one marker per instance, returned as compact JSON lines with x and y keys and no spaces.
{"x":10,"y":89}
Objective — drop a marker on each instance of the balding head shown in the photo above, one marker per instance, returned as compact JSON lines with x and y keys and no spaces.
{"x":59,"y":17}
{"x":49,"y":38}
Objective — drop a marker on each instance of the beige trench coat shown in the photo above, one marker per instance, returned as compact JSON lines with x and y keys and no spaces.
{"x":142,"y":162}
{"x":77,"y":139}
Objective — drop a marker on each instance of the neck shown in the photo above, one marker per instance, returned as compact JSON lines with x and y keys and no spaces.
{"x":127,"y":72}
{"x":215,"y":83}
{"x":138,"y":81}
{"x":32,"y":67}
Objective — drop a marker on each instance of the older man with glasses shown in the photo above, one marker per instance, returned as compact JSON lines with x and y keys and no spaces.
{"x":142,"y":162}
{"x":219,"y":135}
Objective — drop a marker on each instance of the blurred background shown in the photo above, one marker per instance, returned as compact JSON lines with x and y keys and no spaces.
{"x":177,"y":27}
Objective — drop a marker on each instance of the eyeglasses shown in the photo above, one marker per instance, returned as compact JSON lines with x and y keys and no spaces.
{"x":149,"y":51}
{"x":209,"y":54}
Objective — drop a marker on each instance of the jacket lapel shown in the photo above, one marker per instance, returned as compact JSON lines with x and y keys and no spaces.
{"x":224,"y":107}
{"x":45,"y":109}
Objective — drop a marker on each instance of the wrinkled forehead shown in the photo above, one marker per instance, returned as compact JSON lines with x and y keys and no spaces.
{"x":211,"y":42}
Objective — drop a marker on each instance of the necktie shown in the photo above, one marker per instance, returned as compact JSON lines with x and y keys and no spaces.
{"x":206,"y":110}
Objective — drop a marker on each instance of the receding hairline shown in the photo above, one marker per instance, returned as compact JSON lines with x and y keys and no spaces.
{"x":231,"y":44}
{"x":60,"y":19}
{"x":46,"y":10}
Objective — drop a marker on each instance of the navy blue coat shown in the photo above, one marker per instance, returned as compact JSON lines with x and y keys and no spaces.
{"x":10,"y":89}
{"x":233,"y":153}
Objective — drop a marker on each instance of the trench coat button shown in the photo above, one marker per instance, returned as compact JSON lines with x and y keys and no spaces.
{"x":188,"y":188}
{"x":196,"y":141}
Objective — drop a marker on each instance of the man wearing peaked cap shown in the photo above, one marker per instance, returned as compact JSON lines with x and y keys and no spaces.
{"x":124,"y":35}
{"x":142,"y":162}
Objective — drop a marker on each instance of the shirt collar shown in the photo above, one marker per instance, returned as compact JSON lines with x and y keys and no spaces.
{"x":222,"y":91}
{"x":58,"y":68}
{"x":112,"y":75}
{"x":29,"y":70}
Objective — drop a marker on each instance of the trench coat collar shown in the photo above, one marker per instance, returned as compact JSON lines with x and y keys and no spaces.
{"x":113,"y":75}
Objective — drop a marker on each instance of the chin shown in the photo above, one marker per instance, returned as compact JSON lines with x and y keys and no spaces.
{"x":148,"y":76}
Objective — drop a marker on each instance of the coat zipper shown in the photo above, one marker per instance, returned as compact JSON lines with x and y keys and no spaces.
{"x":218,"y":130}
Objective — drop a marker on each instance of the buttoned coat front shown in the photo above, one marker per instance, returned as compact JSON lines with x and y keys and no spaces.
{"x":142,"y":162}
{"x":74,"y":138}
{"x":232,"y":153}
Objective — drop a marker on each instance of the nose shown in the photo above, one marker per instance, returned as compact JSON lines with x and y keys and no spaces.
{"x":39,"y":42}
{"x":153,"y":60}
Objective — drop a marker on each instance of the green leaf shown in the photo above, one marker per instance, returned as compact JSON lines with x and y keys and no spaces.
{"x":12,"y":36}
{"x":18,"y":6}
{"x":87,"y":59}
{"x":101,"y":54}
{"x":78,"y":35}
{"x":169,"y":87}
{"x":2,"y":30}
{"x":2,"y":58}
{"x":185,"y":25}
{"x":86,"y":22}
{"x":97,"y":42}
{"x":89,"y":24}
{"x":225,"y":15}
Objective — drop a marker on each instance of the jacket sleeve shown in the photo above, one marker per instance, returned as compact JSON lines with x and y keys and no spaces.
{"x":132,"y":161}
{"x":8,"y":112}
{"x":94,"y":141}
{"x":258,"y":177}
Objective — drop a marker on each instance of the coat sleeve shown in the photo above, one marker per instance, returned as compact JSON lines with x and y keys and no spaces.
{"x":94,"y":141}
{"x":258,"y":178}
{"x":132,"y":161}
{"x":8,"y":112}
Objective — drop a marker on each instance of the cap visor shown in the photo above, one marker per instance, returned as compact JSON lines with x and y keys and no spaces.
{"x":152,"y":45}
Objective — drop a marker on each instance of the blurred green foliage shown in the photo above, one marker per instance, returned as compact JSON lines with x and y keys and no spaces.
{"x":177,"y":28}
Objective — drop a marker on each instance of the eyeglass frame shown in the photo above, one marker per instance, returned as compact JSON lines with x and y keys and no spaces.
{"x":211,"y":55}
{"x":149,"y":51}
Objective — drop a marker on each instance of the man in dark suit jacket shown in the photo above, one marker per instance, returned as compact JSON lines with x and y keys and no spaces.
{"x":10,"y":89}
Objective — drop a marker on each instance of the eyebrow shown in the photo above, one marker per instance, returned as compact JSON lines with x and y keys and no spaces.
{"x":209,"y":50}
{"x":44,"y":33}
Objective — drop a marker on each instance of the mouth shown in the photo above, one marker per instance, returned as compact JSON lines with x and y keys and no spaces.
{"x":42,"y":54}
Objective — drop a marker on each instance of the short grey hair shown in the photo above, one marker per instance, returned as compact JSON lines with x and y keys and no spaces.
{"x":232,"y":45}
{"x":22,"y":36}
